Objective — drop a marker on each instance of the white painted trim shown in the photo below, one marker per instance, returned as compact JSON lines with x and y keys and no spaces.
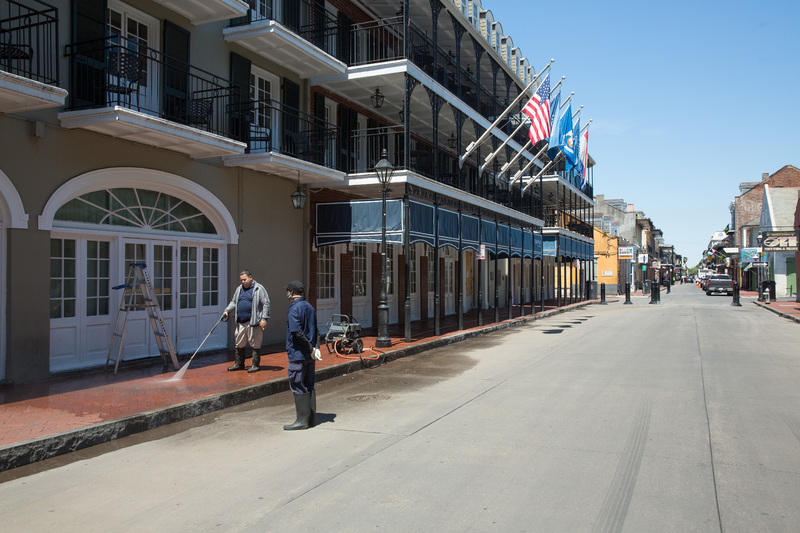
{"x":12,"y":212}
{"x":3,"y":296}
{"x":143,"y":178}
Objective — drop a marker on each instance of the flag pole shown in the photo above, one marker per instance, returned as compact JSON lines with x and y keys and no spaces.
{"x":519,"y":173}
{"x":540,"y":173}
{"x":514,"y":160}
{"x":527,"y":165}
{"x":491,"y":156}
{"x":485,"y":135}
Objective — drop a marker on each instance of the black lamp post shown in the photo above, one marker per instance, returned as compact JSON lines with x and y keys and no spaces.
{"x":384,"y":170}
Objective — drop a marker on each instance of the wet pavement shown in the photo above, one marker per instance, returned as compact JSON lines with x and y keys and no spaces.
{"x":63,"y":414}
{"x":46,"y":419}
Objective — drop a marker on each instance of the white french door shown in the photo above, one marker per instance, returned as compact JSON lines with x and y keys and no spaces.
{"x":449,"y":281}
{"x":362,"y":283}
{"x":84,"y":306}
{"x":138,"y":32}
{"x":264,"y":118}
{"x":414,"y":261}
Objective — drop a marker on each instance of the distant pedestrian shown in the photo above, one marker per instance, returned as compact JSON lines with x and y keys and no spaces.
{"x":301,"y":341}
{"x":250,"y":306}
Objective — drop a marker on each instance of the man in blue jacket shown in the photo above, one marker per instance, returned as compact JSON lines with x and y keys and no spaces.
{"x":301,"y":339}
{"x":250,"y":306}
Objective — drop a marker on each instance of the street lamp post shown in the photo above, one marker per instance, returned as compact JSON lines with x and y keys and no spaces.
{"x":384,"y":170}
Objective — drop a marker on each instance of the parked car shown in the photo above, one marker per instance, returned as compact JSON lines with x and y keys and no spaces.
{"x":719,"y":284}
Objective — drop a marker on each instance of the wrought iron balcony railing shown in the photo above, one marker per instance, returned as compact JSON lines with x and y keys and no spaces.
{"x":29,"y":40}
{"x":271,"y":126}
{"x":308,"y":19}
{"x":367,"y":145}
{"x":115,"y":71}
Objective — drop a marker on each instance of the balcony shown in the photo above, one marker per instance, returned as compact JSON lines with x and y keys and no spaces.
{"x":382,"y":41}
{"x":125,"y":90}
{"x":366,"y":148}
{"x":28,"y":57}
{"x":286,"y":142}
{"x":300,"y":36}
{"x":205,"y":11}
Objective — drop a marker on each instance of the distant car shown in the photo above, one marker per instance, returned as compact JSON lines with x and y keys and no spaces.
{"x":719,"y":284}
{"x":689,"y":279}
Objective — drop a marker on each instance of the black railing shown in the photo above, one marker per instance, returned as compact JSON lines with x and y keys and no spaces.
{"x":115,"y":71}
{"x":275,"y":127}
{"x":29,"y":40}
{"x":305,"y":18}
{"x":377,"y":41}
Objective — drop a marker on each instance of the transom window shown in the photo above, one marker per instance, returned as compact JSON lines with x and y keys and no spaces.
{"x":136,"y":208}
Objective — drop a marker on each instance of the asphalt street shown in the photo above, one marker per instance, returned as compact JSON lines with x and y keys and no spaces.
{"x":682,"y":416}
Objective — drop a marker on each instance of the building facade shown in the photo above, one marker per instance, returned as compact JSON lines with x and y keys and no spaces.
{"x":175,"y":134}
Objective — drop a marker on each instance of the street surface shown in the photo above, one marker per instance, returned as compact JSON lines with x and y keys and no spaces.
{"x":683,"y":416}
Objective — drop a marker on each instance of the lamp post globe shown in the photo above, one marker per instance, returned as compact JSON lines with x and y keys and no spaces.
{"x":384,"y":170}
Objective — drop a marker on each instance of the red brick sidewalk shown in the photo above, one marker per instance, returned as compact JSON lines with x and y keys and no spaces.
{"x":62,"y":405}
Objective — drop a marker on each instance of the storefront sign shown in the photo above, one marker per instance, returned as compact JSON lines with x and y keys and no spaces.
{"x":482,"y":253}
{"x":625,"y":252}
{"x":643,"y":258}
{"x":749,"y":255}
{"x":780,"y":241}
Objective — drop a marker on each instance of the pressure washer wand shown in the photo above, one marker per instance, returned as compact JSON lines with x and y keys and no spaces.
{"x":183,"y":369}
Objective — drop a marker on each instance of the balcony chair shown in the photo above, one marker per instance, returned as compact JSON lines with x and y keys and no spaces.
{"x":125,"y":75}
{"x":200,"y":111}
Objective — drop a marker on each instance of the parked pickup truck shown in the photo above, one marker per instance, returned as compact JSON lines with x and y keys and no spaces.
{"x":719,"y":284}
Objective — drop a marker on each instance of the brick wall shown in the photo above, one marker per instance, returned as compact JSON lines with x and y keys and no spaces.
{"x":748,"y":205}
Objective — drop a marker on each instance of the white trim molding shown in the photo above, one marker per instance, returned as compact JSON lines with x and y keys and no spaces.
{"x":12,"y":212}
{"x":144,"y":178}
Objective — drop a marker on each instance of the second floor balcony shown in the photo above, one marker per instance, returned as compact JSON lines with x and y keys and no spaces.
{"x":287,"y":142}
{"x":28,"y":57}
{"x":300,"y":35}
{"x":123,"y":89}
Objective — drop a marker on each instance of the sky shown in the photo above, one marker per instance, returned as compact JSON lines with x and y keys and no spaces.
{"x":687,"y":98}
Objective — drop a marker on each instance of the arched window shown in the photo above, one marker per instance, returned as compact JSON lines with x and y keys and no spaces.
{"x":137,"y":208}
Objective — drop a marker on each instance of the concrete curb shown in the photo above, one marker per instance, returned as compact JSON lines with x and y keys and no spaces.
{"x":24,"y":453}
{"x":777,"y":312}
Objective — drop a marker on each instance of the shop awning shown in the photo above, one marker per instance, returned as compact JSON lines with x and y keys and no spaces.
{"x":566,"y":246}
{"x":360,"y":221}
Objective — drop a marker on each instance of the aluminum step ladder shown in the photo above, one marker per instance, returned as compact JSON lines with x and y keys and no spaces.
{"x":139,"y":294}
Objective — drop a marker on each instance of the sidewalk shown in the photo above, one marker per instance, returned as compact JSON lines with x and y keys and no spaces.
{"x":785,"y":307}
{"x":46,"y":419}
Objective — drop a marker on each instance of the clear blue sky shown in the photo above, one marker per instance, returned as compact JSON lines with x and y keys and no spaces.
{"x":688,"y":98}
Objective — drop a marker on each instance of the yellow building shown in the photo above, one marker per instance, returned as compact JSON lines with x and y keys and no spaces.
{"x":606,"y":249}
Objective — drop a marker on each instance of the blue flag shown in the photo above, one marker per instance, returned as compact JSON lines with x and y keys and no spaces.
{"x":572,"y":152}
{"x":561,"y":134}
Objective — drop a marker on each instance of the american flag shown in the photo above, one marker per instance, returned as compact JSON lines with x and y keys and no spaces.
{"x":538,"y":110}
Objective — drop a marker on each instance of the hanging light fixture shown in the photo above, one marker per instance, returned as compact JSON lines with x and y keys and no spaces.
{"x":377,"y":98}
{"x":451,"y":142}
{"x":298,"y":196}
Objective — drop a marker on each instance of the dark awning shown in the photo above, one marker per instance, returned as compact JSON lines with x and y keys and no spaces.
{"x":340,"y":222}
{"x":360,"y":221}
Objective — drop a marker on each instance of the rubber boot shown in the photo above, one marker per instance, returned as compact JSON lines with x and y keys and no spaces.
{"x":302,"y":404}
{"x":239,"y":362}
{"x":256,"y":361}
{"x":312,"y":417}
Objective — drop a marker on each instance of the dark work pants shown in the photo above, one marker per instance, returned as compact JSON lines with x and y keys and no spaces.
{"x":301,"y":376}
